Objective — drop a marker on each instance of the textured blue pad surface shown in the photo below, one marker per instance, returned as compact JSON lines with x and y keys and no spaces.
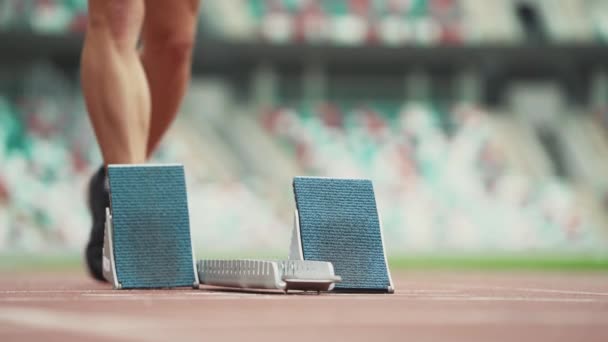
{"x":152,"y":245}
{"x":339,"y":223}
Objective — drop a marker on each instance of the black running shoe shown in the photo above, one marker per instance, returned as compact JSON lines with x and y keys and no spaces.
{"x":99,"y":200}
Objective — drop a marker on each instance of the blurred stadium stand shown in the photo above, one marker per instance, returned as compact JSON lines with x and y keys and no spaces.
{"x":484,"y":125}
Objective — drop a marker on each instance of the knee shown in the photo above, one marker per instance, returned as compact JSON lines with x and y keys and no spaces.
{"x":173,"y":46}
{"x":120,"y":19}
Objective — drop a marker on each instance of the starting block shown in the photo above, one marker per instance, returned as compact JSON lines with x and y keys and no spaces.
{"x":336,"y":231}
{"x":147,"y":233}
{"x":337,"y":220}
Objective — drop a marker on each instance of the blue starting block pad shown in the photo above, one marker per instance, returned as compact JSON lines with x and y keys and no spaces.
{"x":337,"y":221}
{"x":147,"y":234}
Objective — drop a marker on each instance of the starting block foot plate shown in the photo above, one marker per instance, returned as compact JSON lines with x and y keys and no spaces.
{"x":337,"y":221}
{"x":147,"y":240}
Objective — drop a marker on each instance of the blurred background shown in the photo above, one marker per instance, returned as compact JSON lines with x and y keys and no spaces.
{"x":483,"y":125}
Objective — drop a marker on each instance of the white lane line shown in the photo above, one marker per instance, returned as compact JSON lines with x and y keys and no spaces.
{"x":214,"y":293}
{"x":474,"y":299}
{"x":530,"y":289}
{"x":354,"y":299}
{"x":517,"y":299}
{"x":573,"y":292}
{"x":25,"y":292}
{"x":107,"y":326}
{"x":424,"y":291}
{"x":134,"y":327}
{"x":177,"y":298}
{"x":46,"y":291}
{"x":198,"y":293}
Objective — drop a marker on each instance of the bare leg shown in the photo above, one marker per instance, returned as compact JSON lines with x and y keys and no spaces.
{"x":114,"y":82}
{"x":118,"y":101}
{"x":168,"y":38}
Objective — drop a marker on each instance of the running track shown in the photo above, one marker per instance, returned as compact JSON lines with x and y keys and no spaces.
{"x":437,"y":306}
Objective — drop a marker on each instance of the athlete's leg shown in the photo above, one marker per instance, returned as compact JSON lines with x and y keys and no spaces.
{"x":118,"y":101}
{"x":114,"y":82}
{"x":168,"y":39}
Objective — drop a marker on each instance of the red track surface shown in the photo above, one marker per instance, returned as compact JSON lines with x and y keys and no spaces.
{"x":456,"y":306}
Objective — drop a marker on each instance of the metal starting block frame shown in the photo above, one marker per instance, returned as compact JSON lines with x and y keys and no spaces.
{"x":343,"y":235}
{"x":109,"y":265}
{"x":293,"y":274}
{"x":166,"y":258}
{"x":264,"y":274}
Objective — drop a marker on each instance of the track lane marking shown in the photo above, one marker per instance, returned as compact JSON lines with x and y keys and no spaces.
{"x":107,"y":326}
{"x":530,"y":289}
{"x":354,"y":299}
{"x":155,"y":328}
{"x":573,"y":292}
